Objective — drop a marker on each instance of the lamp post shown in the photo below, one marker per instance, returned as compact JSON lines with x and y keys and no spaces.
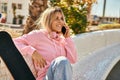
{"x":119,"y":16}
{"x":104,"y":7}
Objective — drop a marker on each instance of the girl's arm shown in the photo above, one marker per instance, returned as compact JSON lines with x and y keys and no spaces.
{"x":22,"y":43}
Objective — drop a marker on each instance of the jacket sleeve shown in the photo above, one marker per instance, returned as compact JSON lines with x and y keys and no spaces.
{"x":70,"y":50}
{"x":23,"y":45}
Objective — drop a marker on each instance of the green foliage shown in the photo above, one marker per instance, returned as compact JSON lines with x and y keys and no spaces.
{"x":75,"y":16}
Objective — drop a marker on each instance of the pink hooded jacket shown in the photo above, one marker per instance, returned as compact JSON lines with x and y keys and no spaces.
{"x":50,"y":46}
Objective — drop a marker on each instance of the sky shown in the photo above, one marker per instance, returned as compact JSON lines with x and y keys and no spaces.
{"x":112,"y":8}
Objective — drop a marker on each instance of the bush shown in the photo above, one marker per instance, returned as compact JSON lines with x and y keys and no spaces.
{"x":108,"y":26}
{"x":76,"y":19}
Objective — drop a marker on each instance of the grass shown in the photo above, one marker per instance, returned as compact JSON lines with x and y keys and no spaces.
{"x":108,"y":26}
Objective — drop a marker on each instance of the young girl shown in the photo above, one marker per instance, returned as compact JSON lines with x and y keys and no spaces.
{"x":52,"y":51}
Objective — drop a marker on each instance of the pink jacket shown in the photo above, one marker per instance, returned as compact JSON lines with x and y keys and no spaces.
{"x":49,"y":46}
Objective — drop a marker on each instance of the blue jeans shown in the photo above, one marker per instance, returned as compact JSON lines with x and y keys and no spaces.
{"x":60,"y":69}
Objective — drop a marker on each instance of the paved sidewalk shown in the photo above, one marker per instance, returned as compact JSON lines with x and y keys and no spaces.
{"x":4,"y":72}
{"x":92,"y":28}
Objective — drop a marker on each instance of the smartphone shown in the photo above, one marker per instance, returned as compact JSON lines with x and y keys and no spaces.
{"x":63,"y":30}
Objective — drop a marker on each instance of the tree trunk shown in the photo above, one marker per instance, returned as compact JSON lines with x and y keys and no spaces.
{"x":33,"y":16}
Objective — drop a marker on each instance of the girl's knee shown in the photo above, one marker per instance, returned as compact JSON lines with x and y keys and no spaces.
{"x":62,"y":60}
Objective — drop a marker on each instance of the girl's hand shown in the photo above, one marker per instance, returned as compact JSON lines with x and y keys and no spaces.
{"x":67,"y":33}
{"x":38,"y":60}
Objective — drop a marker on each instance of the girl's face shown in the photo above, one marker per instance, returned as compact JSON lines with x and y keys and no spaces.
{"x":57,"y":22}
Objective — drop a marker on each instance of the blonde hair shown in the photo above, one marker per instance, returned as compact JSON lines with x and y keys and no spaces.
{"x":46,"y":18}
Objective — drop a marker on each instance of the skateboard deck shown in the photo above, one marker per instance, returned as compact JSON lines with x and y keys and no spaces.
{"x":13,"y":58}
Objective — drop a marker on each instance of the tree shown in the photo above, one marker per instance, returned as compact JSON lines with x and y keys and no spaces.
{"x":36,"y":7}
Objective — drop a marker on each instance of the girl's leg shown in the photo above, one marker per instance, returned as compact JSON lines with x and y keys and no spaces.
{"x":60,"y":69}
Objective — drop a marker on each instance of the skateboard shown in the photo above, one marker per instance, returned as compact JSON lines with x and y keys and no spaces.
{"x":13,"y":58}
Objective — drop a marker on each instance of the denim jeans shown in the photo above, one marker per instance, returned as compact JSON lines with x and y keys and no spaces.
{"x":60,"y":69}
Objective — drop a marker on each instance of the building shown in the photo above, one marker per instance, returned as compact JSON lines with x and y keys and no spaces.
{"x":11,"y":8}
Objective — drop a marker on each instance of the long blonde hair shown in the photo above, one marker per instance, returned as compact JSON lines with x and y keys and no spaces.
{"x":46,"y":18}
